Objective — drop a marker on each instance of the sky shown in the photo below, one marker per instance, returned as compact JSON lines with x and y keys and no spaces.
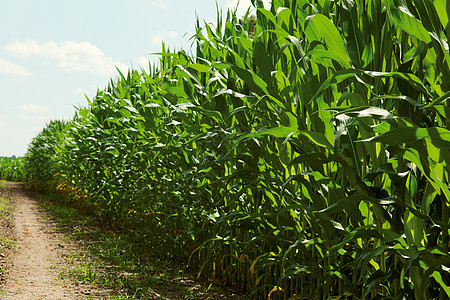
{"x":54,"y":54}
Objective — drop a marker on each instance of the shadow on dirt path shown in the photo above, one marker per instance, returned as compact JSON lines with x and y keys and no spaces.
{"x":39,"y":255}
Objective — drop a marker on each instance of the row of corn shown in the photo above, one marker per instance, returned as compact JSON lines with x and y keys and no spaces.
{"x":302,"y":153}
{"x":12,"y":168}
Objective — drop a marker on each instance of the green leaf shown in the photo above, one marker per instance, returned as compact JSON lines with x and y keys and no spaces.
{"x":317,"y":138}
{"x":401,"y":16}
{"x":359,"y":232}
{"x":262,"y":60}
{"x":269,"y":16}
{"x":355,"y":40}
{"x":438,"y":277}
{"x":412,"y":79}
{"x":279,"y":132}
{"x":211,"y":113}
{"x":337,"y":77}
{"x":374,"y":280}
{"x":320,"y":28}
{"x":443,"y":111}
{"x":344,"y":203}
{"x":439,"y":136}
{"x":370,"y":111}
{"x":255,"y":82}
{"x":132,"y":109}
{"x":199,"y":67}
{"x":439,"y":100}
{"x":442,"y":8}
{"x":432,"y":270}
{"x":340,"y":76}
{"x":323,"y":53}
{"x":316,"y":157}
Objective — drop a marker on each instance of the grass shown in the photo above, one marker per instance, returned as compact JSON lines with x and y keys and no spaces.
{"x":6,"y":235}
{"x":111,"y":259}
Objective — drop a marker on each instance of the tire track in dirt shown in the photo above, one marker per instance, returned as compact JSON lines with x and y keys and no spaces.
{"x":39,"y":255}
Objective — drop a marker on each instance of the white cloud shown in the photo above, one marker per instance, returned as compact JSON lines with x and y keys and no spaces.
{"x":142,"y":61}
{"x":71,"y":56}
{"x":34,"y":113}
{"x":10,"y":131}
{"x":18,"y":134}
{"x":2,"y":121}
{"x":244,"y":5}
{"x":145,"y":62}
{"x":32,"y":108}
{"x":13,"y":69}
{"x":164,"y":35}
{"x":89,"y":91}
{"x":36,"y":129}
{"x":158,"y":3}
{"x":33,"y":118}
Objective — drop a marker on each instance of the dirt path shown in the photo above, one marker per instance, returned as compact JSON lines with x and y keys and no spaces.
{"x":39,"y":255}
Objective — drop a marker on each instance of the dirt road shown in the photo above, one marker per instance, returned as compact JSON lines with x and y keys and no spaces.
{"x":39,"y":256}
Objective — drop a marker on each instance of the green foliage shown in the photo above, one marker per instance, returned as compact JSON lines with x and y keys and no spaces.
{"x":305,"y":155}
{"x":44,"y":155}
{"x":12,"y":169}
{"x":7,"y":242}
{"x":116,"y":261}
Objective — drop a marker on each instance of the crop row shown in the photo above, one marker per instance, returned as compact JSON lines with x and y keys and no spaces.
{"x":12,"y":169}
{"x":300,"y":153}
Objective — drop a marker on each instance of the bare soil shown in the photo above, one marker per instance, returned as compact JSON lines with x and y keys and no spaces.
{"x":40,"y":254}
{"x":37,"y":257}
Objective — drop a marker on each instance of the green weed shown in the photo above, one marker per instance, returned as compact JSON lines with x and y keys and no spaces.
{"x":7,"y":242}
{"x":111,"y":259}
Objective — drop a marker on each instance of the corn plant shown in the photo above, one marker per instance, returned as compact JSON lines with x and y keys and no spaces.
{"x":43,"y":156}
{"x":300,"y":153}
{"x":12,"y":169}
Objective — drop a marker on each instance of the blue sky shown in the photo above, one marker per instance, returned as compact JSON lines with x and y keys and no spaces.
{"x":54,"y":52}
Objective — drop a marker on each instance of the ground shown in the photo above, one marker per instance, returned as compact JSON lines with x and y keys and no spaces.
{"x":40,"y":253}
{"x":47,"y":254}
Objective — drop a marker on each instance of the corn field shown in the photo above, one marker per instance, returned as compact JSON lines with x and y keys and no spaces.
{"x":302,"y":153}
{"x":12,"y":169}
